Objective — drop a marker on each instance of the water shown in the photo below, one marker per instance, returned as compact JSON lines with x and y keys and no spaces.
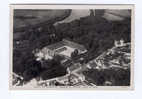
{"x":75,"y":15}
{"x":111,"y":15}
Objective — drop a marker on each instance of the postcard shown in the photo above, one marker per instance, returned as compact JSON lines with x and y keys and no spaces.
{"x":65,"y":47}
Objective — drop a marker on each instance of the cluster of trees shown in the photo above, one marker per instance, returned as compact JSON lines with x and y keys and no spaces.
{"x":116,"y":77}
{"x":26,"y":66}
{"x":29,"y":68}
{"x":52,"y":68}
{"x":95,"y":33}
{"x":38,"y":36}
{"x":24,"y":61}
{"x":74,"y":53}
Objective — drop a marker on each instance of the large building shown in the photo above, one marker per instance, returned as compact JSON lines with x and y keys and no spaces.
{"x":64,"y":48}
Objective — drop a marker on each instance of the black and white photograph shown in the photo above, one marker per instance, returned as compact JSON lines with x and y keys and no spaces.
{"x":71,"y":46}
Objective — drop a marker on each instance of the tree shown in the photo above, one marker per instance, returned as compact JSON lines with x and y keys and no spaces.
{"x":53,"y":68}
{"x":117,"y":76}
{"x":58,"y":58}
{"x":32,"y":69}
{"x":74,"y":53}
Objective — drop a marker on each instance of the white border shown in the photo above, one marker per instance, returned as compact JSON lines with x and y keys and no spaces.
{"x":52,"y":6}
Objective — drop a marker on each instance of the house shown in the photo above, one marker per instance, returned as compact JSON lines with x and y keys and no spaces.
{"x":119,"y":43}
{"x":64,"y":48}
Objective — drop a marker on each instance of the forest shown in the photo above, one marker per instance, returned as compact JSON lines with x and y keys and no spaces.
{"x":115,"y":77}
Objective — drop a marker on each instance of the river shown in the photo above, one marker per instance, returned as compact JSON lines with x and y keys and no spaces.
{"x":75,"y":15}
{"x":111,"y":15}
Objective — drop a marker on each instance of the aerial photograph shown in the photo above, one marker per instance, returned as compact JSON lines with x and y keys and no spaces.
{"x":71,"y":48}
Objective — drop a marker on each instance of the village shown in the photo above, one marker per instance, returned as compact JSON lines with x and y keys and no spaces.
{"x":75,"y":77}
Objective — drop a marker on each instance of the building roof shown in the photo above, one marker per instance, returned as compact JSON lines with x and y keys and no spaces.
{"x":56,"y":45}
{"x":65,"y":42}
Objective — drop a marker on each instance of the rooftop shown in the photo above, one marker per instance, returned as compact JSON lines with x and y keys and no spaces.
{"x":115,"y":57}
{"x":68,"y":43}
